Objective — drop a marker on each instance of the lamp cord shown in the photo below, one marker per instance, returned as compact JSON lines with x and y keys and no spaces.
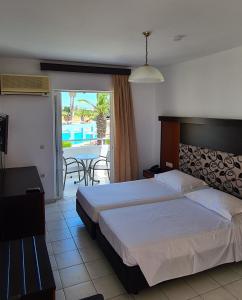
{"x":146,"y":50}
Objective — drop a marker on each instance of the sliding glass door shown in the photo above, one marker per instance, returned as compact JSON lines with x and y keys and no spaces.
{"x":83,"y":139}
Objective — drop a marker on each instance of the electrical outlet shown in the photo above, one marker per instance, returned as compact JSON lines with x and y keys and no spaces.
{"x":169,"y":164}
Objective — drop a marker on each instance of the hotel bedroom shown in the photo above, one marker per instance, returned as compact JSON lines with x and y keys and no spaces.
{"x":169,"y":224}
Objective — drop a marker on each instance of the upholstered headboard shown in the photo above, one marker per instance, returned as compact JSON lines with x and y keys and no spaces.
{"x":220,"y":170}
{"x":207,"y":148}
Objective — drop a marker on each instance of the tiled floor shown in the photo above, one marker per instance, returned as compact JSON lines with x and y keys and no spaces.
{"x":81,"y":270}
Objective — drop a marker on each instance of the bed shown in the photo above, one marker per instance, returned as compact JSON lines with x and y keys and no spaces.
{"x":90,"y":201}
{"x":152,"y":243}
{"x":209,"y":149}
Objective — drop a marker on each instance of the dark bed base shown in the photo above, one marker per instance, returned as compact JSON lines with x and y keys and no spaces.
{"x":90,"y":225}
{"x":131,"y":277}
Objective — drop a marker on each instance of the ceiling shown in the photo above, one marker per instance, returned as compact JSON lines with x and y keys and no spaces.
{"x":109,"y":31}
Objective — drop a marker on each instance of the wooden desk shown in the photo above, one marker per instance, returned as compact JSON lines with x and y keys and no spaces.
{"x":22,"y":212}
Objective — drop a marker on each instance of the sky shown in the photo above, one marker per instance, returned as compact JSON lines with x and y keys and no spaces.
{"x":91,"y":97}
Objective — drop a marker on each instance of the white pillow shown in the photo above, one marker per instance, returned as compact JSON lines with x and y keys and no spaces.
{"x":222,"y":203}
{"x":179,"y":181}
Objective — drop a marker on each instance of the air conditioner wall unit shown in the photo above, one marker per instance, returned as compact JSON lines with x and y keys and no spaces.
{"x":24,"y":84}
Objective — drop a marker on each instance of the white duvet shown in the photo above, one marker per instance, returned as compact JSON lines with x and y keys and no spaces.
{"x":94,"y":199}
{"x":172,"y":239}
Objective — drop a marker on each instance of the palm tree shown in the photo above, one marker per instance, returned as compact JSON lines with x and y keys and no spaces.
{"x":72,"y":96}
{"x":66,"y":114}
{"x":101,"y":111}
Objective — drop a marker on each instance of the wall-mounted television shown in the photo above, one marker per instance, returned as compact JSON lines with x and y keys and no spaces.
{"x":3,"y":133}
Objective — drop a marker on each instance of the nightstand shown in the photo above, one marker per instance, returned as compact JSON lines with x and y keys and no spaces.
{"x":150,"y":174}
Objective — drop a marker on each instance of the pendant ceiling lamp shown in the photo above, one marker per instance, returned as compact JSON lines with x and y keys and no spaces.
{"x":146,"y":73}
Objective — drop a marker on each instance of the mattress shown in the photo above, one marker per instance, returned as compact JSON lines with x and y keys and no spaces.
{"x":172,"y":239}
{"x":94,"y":199}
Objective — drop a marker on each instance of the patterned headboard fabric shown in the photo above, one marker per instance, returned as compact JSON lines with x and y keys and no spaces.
{"x":218,"y":169}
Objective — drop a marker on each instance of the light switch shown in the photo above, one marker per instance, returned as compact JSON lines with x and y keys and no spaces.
{"x":169,"y":164}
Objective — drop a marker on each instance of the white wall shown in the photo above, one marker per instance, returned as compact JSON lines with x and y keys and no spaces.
{"x":210,"y":86}
{"x":147,"y":125}
{"x":31,"y":118}
{"x":31,"y":122}
{"x":30,"y":126}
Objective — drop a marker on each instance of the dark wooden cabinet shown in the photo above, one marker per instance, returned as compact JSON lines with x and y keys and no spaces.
{"x":22,"y":211}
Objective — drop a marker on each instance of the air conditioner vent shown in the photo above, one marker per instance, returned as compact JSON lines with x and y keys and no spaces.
{"x":24,"y":84}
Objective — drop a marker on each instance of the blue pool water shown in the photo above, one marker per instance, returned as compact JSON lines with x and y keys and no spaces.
{"x":79,"y":133}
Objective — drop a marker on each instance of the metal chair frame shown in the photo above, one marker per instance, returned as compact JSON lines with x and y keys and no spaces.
{"x":68,"y":161}
{"x":92,"y":169}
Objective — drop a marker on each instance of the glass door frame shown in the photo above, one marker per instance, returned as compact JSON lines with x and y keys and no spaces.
{"x":58,"y":137}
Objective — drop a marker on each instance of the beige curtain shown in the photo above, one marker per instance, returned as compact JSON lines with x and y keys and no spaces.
{"x":125,"y":145}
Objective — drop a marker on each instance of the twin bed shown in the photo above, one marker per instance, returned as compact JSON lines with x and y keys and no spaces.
{"x":174,"y":225}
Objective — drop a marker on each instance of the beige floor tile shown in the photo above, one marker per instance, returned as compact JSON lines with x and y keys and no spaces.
{"x":235,"y":288}
{"x":57,"y":235}
{"x":109,"y":286}
{"x":67,"y":206}
{"x":74,"y":221}
{"x":83,"y":240}
{"x":70,"y":214}
{"x":63,"y":246}
{"x":224,"y":274}
{"x":68,"y":259}
{"x":53,"y":262}
{"x":60,"y":295}
{"x":77,"y":230}
{"x":49,"y":248}
{"x":91,"y":253}
{"x":153,"y":293}
{"x":47,"y":237}
{"x":51,"y":208}
{"x":56,"y":225}
{"x":177,"y":289}
{"x":74,"y":275}
{"x":218,"y":294}
{"x":98,"y":268}
{"x":54,"y":216}
{"x":80,"y":291}
{"x":201,"y":283}
{"x":237,"y":267}
{"x":58,"y":282}
{"x":69,"y":198}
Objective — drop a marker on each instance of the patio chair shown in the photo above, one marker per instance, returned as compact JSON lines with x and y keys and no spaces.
{"x":70,"y":166}
{"x":102,"y":164}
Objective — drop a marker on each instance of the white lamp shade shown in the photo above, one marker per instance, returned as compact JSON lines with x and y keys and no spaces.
{"x":146,"y":74}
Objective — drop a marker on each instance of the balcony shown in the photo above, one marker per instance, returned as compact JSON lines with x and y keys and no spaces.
{"x":98,"y":151}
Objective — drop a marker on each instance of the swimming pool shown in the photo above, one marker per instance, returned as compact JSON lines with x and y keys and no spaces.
{"x":79,"y":133}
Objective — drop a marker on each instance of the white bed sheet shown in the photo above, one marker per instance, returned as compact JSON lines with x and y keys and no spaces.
{"x":172,"y":239}
{"x":115,"y":195}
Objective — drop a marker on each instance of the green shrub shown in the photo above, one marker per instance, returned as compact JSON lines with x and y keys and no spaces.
{"x":66,"y":144}
{"x":107,"y":142}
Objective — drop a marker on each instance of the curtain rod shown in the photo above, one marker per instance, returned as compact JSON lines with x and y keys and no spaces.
{"x":61,"y":67}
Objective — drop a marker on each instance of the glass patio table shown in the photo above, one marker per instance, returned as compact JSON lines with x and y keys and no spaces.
{"x":86,"y":159}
